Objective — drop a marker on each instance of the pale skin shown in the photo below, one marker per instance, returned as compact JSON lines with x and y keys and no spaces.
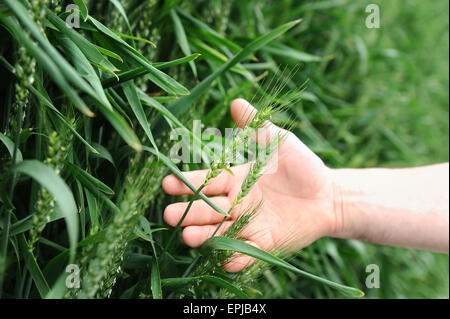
{"x":304,"y":200}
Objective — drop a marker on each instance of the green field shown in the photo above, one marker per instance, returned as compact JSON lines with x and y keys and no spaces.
{"x":369,"y":98}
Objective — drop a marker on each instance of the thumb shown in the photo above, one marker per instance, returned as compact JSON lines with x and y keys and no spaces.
{"x":243,"y":113}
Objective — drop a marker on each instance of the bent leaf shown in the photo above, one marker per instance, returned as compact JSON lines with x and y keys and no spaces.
{"x":176,"y":282}
{"x":56,"y":186}
{"x":231,"y":244}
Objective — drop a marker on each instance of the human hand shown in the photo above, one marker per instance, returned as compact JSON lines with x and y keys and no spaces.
{"x":297,"y":199}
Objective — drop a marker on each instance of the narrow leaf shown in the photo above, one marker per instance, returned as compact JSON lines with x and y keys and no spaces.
{"x":10,"y":146}
{"x":83,"y":8}
{"x":181,"y":38}
{"x":156,"y":281}
{"x":182,"y":105}
{"x":56,"y":186}
{"x":161,"y":79}
{"x":231,"y":244}
{"x":135,"y":103}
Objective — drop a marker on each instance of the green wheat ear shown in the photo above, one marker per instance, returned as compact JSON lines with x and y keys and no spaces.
{"x":268,"y":105}
{"x":24,"y":70}
{"x":57,"y":151}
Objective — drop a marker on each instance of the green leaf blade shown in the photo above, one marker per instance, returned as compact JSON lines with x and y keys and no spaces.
{"x":231,"y":244}
{"x":56,"y":186}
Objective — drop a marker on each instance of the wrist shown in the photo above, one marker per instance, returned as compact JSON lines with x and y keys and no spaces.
{"x":344,"y":220}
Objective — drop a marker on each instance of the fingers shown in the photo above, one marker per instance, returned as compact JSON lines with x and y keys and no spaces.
{"x":217,"y":186}
{"x":222,"y":184}
{"x":238,"y":261}
{"x":200,"y":212}
{"x":195,"y":236}
{"x":243,"y":113}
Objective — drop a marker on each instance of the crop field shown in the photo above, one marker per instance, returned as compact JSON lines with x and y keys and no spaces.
{"x":92,"y":91}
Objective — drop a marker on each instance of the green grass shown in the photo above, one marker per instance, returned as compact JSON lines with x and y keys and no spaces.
{"x":372,"y":97}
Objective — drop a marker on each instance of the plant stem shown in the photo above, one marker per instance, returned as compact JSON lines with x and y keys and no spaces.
{"x":220,"y":225}
{"x":183,"y":217}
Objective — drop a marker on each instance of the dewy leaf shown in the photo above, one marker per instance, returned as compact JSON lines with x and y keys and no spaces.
{"x":56,"y":186}
{"x":231,"y":244}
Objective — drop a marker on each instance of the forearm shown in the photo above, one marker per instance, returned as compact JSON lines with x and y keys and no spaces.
{"x":401,"y":207}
